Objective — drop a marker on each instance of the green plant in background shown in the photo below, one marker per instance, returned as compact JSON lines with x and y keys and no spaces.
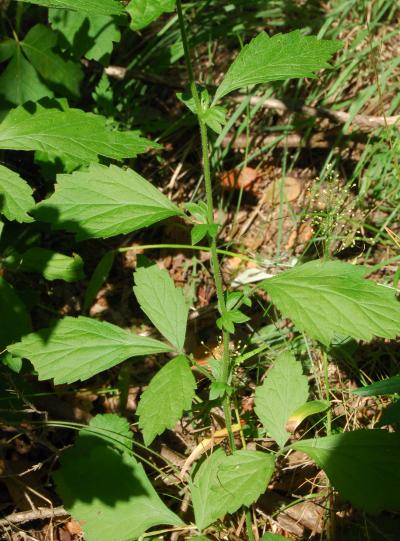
{"x":101,"y":481}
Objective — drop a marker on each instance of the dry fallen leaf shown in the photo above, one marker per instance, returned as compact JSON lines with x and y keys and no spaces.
{"x":240,"y":179}
{"x":291,"y":191}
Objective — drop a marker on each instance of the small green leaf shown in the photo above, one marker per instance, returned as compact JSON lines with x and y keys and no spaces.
{"x":309,"y":408}
{"x":362,"y":465}
{"x":7,"y":49}
{"x":71,"y":133}
{"x":387,"y":386}
{"x":92,"y":7}
{"x":14,"y":317}
{"x":199,"y":231}
{"x":104,"y":202}
{"x":144,"y":12}
{"x":13,"y":363}
{"x":105,"y":488}
{"x":228,"y":319}
{"x":282,"y":57}
{"x":169,"y":394}
{"x":223,"y":484}
{"x":273,"y":537}
{"x":38,"y":46}
{"x":15,"y":196}
{"x":53,"y":265}
{"x":325,"y":299}
{"x":98,"y":278}
{"x":163,"y":303}
{"x":77,"y":348}
{"x":283,"y":391}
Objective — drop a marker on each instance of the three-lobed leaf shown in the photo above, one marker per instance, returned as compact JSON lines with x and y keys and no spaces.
{"x":169,"y":394}
{"x":362,"y":465}
{"x":222,"y":484}
{"x":105,"y":488}
{"x":71,"y":133}
{"x":15,"y":196}
{"x":163,"y":303}
{"x":285,"y":389}
{"x":281,"y":57}
{"x":328,"y":299}
{"x":103,"y":202}
{"x":77,"y":348}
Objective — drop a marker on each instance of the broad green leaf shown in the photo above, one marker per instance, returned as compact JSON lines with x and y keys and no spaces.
{"x":20,"y":82}
{"x":163,"y":303}
{"x":309,"y":408}
{"x":103,"y":202}
{"x":106,"y":489}
{"x":284,"y":56}
{"x":362,"y":465}
{"x":14,"y":317}
{"x":92,"y":7}
{"x":223,"y":484}
{"x":53,"y":265}
{"x":387,"y":386}
{"x":169,"y":394}
{"x":90,"y":36}
{"x":285,"y":388}
{"x":38,"y":46}
{"x":144,"y":12}
{"x":77,"y":348}
{"x":7,"y":49}
{"x":72,"y":133}
{"x":273,"y":537}
{"x":391,"y":415}
{"x":98,"y":278}
{"x":15,"y":196}
{"x":331,"y":298}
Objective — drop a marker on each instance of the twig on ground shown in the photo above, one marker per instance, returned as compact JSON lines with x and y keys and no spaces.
{"x":41,"y":513}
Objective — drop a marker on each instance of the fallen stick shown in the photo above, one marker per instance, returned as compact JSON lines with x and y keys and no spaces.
{"x":42,"y":513}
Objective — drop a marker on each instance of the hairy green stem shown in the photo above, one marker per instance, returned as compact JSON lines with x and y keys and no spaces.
{"x":210,"y":217}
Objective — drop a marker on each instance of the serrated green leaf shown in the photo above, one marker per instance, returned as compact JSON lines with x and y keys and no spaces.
{"x":362,"y":465}
{"x":112,"y":429}
{"x":14,"y":317}
{"x":90,"y":36}
{"x":144,"y":12}
{"x":103,"y":202}
{"x":282,"y":57}
{"x":107,"y":490}
{"x":285,"y":388}
{"x":163,"y":303}
{"x":38,"y":46}
{"x":169,"y":394}
{"x":77,"y":348}
{"x":98,"y":278}
{"x":387,"y":386}
{"x":92,"y":7}
{"x":20,"y":82}
{"x":15,"y":196}
{"x":331,"y":298}
{"x":223,"y":483}
{"x":72,"y":133}
{"x":53,"y":265}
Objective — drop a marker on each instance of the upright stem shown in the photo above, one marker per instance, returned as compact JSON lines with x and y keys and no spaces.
{"x":210,"y":216}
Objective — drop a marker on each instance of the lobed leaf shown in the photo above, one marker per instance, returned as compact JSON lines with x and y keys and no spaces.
{"x":163,"y":303}
{"x":103,"y":202}
{"x":169,"y":394}
{"x":223,"y":484}
{"x":71,"y":133}
{"x":282,"y":57}
{"x":15,"y":196}
{"x":106,"y":489}
{"x":362,"y":465}
{"x":285,"y":389}
{"x":326,"y":299}
{"x":75,"y":349}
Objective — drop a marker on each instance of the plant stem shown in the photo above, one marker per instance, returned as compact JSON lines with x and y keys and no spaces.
{"x":210,"y":218}
{"x":328,"y":425}
{"x":249,"y":525}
